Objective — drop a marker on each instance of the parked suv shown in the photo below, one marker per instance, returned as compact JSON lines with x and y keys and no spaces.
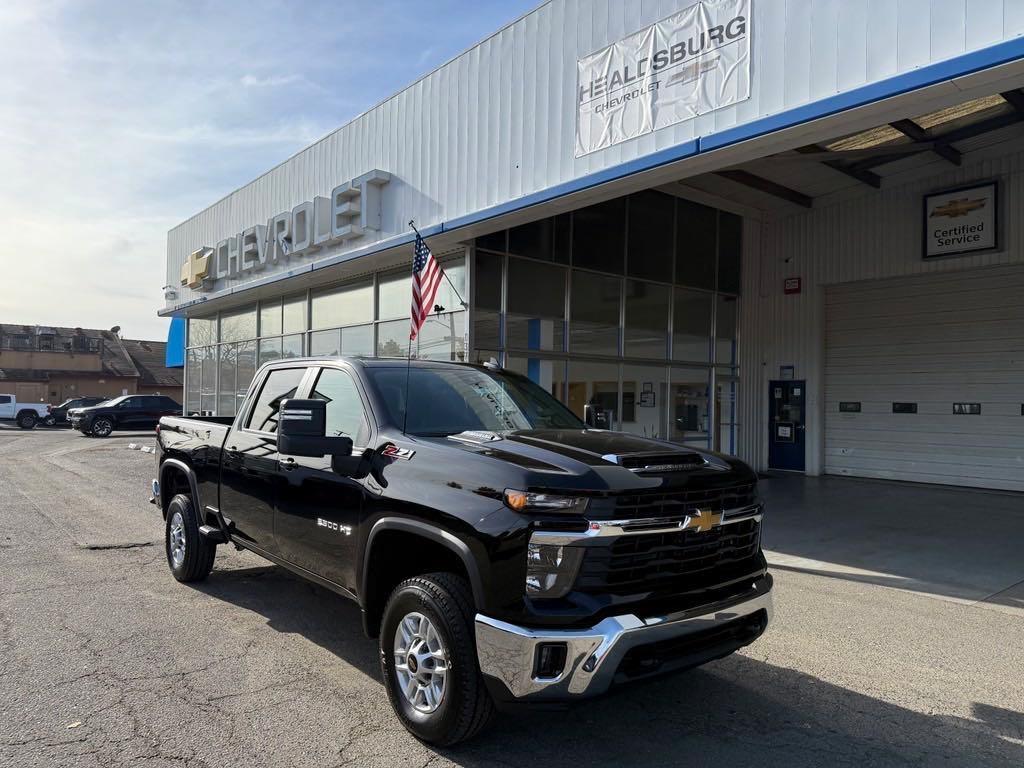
{"x":59,"y":413}
{"x":130,"y":412}
{"x":502,"y":552}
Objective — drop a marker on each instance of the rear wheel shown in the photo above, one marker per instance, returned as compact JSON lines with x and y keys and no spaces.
{"x":428,"y":659}
{"x":27,"y":420}
{"x":102,"y":426}
{"x":189,"y":554}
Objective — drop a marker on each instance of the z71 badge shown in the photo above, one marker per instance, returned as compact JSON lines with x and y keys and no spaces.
{"x":392,"y":451}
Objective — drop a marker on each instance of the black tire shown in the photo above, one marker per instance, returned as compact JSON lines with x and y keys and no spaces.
{"x":27,"y":420}
{"x":199,"y":551}
{"x":50,"y":421}
{"x":101,"y":426}
{"x":465,"y":706}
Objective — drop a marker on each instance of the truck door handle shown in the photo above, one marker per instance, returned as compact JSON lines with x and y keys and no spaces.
{"x":288,"y":464}
{"x":232,"y":453}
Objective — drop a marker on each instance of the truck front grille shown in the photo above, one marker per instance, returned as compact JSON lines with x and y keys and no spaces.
{"x":670,"y":503}
{"x":676,"y":561}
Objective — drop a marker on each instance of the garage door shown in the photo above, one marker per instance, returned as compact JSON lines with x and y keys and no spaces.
{"x":924,"y":379}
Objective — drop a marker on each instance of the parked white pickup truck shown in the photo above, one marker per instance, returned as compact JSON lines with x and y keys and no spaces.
{"x":26,"y":415}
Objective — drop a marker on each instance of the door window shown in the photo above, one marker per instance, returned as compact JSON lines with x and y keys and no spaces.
{"x":280,"y":385}
{"x":345,"y":416}
{"x":5,"y":399}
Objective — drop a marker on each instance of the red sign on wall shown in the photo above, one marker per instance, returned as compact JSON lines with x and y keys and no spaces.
{"x":791,"y":285}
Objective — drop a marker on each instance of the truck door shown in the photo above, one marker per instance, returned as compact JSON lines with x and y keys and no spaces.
{"x":6,"y":406}
{"x":318,"y":510}
{"x":250,"y":472}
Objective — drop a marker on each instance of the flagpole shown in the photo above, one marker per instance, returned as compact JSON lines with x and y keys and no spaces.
{"x":408,"y":353}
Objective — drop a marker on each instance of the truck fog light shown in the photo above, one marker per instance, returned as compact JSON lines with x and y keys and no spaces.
{"x":549,"y":660}
{"x":551,"y":569}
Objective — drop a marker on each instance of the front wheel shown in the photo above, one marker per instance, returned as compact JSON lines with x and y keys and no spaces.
{"x":27,"y":420}
{"x":428,"y":659}
{"x":189,"y":554}
{"x":102,"y":427}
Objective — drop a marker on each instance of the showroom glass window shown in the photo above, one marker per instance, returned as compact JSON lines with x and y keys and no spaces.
{"x":645,"y":289}
{"x":367,"y":316}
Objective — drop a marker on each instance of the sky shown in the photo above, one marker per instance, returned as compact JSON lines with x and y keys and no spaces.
{"x":119,"y":119}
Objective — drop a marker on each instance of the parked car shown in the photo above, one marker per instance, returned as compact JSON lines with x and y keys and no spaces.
{"x":129,"y":412}
{"x":501,"y":551}
{"x":25,"y":415}
{"x":59,"y":413}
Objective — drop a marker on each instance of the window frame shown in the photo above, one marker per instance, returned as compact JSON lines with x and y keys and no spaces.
{"x":242,"y":418}
{"x":368,"y":417}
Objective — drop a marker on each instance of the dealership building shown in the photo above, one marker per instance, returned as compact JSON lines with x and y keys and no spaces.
{"x":789,"y":231}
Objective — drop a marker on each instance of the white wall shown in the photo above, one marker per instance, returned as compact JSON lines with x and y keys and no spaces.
{"x":498,"y":122}
{"x":871,"y":236}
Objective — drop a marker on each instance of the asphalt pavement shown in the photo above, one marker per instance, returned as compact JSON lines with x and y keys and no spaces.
{"x":105,"y":660}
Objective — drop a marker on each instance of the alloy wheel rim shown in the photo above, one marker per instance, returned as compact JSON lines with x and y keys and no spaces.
{"x":103,"y":428}
{"x":177,"y":540}
{"x":421,"y":662}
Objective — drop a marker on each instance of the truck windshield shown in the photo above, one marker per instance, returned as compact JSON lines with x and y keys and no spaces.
{"x":446,"y":401}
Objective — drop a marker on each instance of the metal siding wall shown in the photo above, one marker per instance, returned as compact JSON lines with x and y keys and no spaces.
{"x":498,"y":122}
{"x":871,"y":237}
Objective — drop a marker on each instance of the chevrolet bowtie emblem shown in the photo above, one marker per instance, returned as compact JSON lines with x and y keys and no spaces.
{"x":955,"y":208}
{"x":196,"y":268}
{"x":701,"y":521}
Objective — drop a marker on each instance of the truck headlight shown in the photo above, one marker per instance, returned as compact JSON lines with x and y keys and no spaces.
{"x":551,"y":569}
{"x":525,"y":501}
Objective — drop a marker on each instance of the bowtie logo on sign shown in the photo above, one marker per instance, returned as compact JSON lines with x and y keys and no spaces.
{"x":353,"y":209}
{"x":196,"y":268}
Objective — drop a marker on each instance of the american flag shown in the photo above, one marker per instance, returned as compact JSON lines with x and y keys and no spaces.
{"x":426,"y":278}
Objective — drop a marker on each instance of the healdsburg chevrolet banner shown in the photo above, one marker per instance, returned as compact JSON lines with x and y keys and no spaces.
{"x":686,"y":65}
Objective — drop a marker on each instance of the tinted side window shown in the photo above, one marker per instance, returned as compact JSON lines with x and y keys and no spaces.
{"x":131,"y":402}
{"x":345,"y":417}
{"x":280,"y":385}
{"x":5,"y":399}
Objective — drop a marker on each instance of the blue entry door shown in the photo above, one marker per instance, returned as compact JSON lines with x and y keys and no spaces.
{"x":787,"y":425}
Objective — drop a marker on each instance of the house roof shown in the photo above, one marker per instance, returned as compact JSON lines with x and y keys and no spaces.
{"x":149,"y":357}
{"x":113,"y":357}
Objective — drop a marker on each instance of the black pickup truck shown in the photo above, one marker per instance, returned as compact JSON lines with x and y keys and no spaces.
{"x":502,"y":552}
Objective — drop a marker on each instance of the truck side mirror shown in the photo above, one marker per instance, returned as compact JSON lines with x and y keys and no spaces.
{"x":302,"y":430}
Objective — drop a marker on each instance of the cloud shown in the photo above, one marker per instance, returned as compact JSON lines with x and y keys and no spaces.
{"x":120,"y":120}
{"x":271,"y":81}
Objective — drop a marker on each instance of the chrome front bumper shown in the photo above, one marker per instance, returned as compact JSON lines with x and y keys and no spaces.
{"x":507,"y":652}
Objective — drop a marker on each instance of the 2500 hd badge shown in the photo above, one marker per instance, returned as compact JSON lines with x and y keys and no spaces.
{"x":500,"y":550}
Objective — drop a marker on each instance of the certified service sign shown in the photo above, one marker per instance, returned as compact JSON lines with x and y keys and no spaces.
{"x":961,"y":220}
{"x":686,"y":65}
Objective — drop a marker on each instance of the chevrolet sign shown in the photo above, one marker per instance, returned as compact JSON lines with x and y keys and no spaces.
{"x":352,"y":210}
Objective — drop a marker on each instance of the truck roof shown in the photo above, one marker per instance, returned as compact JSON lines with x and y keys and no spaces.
{"x":380,"y":362}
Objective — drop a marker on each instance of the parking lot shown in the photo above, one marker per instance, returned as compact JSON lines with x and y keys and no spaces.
{"x":105,"y":660}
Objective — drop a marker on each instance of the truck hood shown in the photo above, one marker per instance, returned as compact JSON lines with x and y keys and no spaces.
{"x":598,"y":459}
